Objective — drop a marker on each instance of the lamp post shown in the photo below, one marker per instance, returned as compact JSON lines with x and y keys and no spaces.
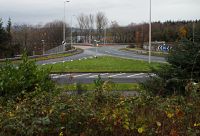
{"x":194,"y":64}
{"x":193,"y":31}
{"x":43,"y":51}
{"x":104,"y":36}
{"x":150,"y":33}
{"x":71,"y":31}
{"x":64,"y":40}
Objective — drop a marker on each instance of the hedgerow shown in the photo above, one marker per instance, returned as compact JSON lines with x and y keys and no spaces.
{"x":58,"y":113}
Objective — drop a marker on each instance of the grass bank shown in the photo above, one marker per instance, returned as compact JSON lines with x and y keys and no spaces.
{"x":143,"y":52}
{"x":92,"y":87}
{"x":104,"y":64}
{"x":47,"y":57}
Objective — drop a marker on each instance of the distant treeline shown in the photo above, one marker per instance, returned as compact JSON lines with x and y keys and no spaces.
{"x":170,"y":31}
{"x":14,"y":39}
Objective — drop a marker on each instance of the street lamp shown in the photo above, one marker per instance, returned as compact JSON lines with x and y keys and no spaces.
{"x":43,"y":51}
{"x":104,"y":35}
{"x":71,"y":31}
{"x":64,"y":40}
{"x":194,"y":64}
{"x":193,"y":31}
{"x":150,"y":33}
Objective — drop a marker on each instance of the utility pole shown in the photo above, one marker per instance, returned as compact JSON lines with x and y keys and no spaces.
{"x":72,"y":30}
{"x":64,"y":25}
{"x":193,"y":27}
{"x":43,"y":50}
{"x":150,"y":34}
{"x":71,"y":34}
{"x":104,"y":35}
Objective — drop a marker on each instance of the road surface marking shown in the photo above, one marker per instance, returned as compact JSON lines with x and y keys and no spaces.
{"x":97,"y":75}
{"x":53,"y":74}
{"x":107,"y":51}
{"x":118,"y":53}
{"x":83,"y":75}
{"x":59,"y":76}
{"x":53,"y":63}
{"x":117,"y":75}
{"x":136,"y":75}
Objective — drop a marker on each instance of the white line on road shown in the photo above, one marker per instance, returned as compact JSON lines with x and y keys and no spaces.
{"x":83,"y":75}
{"x":53,"y":75}
{"x":117,"y":75}
{"x":97,"y":75}
{"x":107,"y":51}
{"x":53,"y":63}
{"x":59,"y":76}
{"x":136,"y":75}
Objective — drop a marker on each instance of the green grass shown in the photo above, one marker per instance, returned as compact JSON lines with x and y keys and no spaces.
{"x":143,"y":52}
{"x":104,"y":64}
{"x":90,"y":87}
{"x":53,"y":56}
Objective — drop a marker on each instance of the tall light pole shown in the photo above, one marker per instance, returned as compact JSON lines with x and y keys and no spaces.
{"x":193,"y":29}
{"x":71,"y":31}
{"x":104,"y":35}
{"x":64,"y":25}
{"x":43,"y":50}
{"x":150,"y":33}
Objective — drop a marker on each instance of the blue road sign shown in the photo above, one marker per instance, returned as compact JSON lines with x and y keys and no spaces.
{"x":164,"y":47}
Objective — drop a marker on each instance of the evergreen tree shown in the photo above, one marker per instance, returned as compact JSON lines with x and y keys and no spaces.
{"x":8,"y":28}
{"x":3,"y":36}
{"x":183,"y":68}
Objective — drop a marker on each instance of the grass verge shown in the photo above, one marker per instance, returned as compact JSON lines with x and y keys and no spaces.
{"x":143,"y":52}
{"x":103,"y":64}
{"x":91,"y":87}
{"x":52,"y":56}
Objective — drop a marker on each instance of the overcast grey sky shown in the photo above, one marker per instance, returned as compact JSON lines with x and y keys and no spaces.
{"x":122,"y":11}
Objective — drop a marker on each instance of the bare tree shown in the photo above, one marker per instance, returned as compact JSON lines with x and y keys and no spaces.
{"x":30,"y":37}
{"x":91,"y":26}
{"x":101,"y":22}
{"x":86,"y":25}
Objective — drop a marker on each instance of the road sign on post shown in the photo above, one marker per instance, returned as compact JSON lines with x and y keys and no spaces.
{"x":164,"y":48}
{"x":64,"y":45}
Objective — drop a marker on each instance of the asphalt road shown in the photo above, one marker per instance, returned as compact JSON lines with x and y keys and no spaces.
{"x":90,"y":77}
{"x":90,"y":52}
{"x":114,"y":51}
{"x":102,"y":51}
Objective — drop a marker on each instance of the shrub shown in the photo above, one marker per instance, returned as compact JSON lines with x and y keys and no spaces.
{"x":26,"y":77}
{"x":56,"y":113}
{"x":183,"y":67}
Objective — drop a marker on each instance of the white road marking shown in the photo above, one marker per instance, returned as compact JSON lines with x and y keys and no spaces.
{"x":53,"y":74}
{"x":117,"y":75}
{"x":107,"y":51}
{"x":83,"y":75}
{"x":53,"y":63}
{"x":97,"y":75}
{"x":116,"y":53}
{"x":59,"y":76}
{"x":136,"y":75}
